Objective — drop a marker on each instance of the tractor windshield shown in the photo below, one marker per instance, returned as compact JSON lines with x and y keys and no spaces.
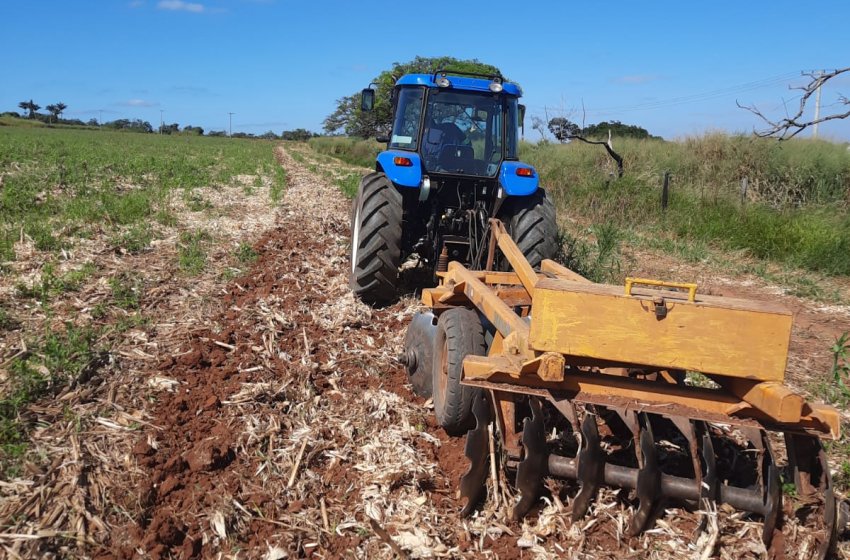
{"x":407,"y":116}
{"x":463,"y":133}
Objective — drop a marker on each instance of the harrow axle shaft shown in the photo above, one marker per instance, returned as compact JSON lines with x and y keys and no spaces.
{"x":675,"y":487}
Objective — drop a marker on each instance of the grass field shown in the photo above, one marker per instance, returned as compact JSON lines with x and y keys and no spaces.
{"x":59,"y":185}
{"x":795,"y":210}
{"x":91,"y":219}
{"x":794,"y":213}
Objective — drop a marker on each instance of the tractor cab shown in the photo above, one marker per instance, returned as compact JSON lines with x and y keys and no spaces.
{"x":456,"y":125}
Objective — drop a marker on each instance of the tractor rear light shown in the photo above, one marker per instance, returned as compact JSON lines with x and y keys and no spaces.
{"x":495,"y":87}
{"x":402,"y":161}
{"x":525,"y":172}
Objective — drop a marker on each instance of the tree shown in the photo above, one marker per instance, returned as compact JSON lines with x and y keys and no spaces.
{"x":609,"y":147}
{"x":539,"y":125}
{"x":563,"y":129}
{"x":617,"y":129}
{"x":791,"y":126}
{"x":298,"y":135}
{"x":136,"y":125}
{"x":56,"y":109}
{"x":29,"y":106}
{"x":348,"y":118}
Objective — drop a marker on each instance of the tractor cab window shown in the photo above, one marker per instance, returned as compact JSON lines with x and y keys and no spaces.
{"x":407,"y":116}
{"x":463,"y":133}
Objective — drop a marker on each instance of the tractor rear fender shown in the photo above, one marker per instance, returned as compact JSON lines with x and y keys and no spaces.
{"x":403,"y":168}
{"x":518,"y":178}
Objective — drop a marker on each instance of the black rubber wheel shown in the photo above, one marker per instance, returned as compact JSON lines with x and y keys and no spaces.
{"x":375,"y":240}
{"x":459,"y":333}
{"x":531,"y":222}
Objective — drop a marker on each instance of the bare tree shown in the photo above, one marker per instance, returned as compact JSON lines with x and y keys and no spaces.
{"x":790,"y":126}
{"x":539,"y":125}
{"x":609,"y":147}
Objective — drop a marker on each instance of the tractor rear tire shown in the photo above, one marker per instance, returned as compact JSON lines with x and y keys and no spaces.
{"x":530,"y":220}
{"x":459,"y":334}
{"x":376,"y":217}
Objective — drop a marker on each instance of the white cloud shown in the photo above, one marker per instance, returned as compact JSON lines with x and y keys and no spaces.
{"x":180,"y":5}
{"x":137,"y":4}
{"x":139,"y":103}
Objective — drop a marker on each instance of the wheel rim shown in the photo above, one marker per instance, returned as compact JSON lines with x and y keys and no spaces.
{"x":355,"y":239}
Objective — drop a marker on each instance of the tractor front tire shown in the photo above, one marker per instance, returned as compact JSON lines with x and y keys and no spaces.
{"x":376,"y":217}
{"x":530,"y":220}
{"x":459,"y":334}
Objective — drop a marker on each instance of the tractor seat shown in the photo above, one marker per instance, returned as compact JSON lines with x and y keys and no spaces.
{"x":454,"y":157}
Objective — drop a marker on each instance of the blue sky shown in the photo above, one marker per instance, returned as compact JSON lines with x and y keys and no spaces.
{"x":675,"y":68}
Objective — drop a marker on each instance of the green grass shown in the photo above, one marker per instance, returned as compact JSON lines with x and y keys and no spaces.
{"x":62,"y":184}
{"x":126,"y":290}
{"x":193,"y":251}
{"x":596,"y":254}
{"x":53,"y":283}
{"x":279,"y":181}
{"x":795,"y":213}
{"x":133,"y":240}
{"x":246,"y":254}
{"x":349,"y":184}
{"x":349,"y":150}
{"x":51,"y":363}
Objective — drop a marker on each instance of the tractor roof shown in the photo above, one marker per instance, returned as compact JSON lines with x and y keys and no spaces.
{"x":458,"y":82}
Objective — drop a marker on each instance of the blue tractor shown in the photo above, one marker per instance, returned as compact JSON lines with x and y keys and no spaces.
{"x":450,"y":165}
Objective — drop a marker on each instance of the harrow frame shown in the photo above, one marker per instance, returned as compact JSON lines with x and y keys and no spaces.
{"x":531,"y":365}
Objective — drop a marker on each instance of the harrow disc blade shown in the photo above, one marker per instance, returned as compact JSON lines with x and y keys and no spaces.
{"x":590,"y":468}
{"x":648,"y":488}
{"x":532,"y":469}
{"x":473,"y":484}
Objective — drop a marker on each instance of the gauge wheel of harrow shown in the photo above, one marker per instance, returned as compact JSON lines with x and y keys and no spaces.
{"x":531,"y":222}
{"x":459,"y":334}
{"x":375,"y":240}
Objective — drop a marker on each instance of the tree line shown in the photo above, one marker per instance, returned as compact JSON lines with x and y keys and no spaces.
{"x":55,"y":110}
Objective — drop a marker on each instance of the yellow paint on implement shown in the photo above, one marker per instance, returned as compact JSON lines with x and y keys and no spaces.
{"x":514,"y":256}
{"x":734,"y":338}
{"x":582,"y":335}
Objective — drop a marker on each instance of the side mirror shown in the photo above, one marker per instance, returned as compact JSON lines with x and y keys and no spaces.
{"x":522,"y":119}
{"x":367,"y":99}
{"x":382,"y":138}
